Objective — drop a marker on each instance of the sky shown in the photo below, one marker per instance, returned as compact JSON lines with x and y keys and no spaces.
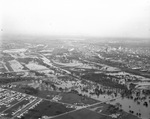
{"x":104,"y":18}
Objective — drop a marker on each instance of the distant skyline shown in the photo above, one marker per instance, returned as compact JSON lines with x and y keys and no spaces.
{"x":102,"y":18}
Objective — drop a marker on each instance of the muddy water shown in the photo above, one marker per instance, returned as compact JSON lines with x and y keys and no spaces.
{"x":127,"y":104}
{"x":131,"y":105}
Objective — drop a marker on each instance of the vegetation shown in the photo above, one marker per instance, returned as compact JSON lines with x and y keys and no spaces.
{"x":46,"y":108}
{"x":103,"y":80}
{"x":30,"y":90}
{"x":5,"y":80}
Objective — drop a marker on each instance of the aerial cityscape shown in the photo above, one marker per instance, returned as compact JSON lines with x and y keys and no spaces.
{"x":74,"y":59}
{"x":74,"y":79}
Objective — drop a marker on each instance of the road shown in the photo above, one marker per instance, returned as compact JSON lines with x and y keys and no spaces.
{"x":26,"y":108}
{"x":32,"y":105}
{"x":82,"y":108}
{"x":11,"y":106}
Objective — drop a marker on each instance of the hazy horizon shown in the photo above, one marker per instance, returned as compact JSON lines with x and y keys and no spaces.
{"x":95,"y":18}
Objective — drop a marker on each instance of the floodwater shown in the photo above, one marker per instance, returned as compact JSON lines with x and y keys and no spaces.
{"x":137,"y":107}
{"x":128,"y":104}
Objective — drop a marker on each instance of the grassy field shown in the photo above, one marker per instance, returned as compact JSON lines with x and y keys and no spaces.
{"x":108,"y":109}
{"x":88,"y":114}
{"x":75,"y":98}
{"x":83,"y":114}
{"x":46,"y":108}
{"x":103,"y":79}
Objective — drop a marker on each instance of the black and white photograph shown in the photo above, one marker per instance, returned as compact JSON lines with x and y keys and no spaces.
{"x":74,"y":59}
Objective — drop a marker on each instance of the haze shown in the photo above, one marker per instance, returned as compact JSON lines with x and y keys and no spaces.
{"x":104,"y":18}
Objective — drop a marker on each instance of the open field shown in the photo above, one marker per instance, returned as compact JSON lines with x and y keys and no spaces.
{"x":46,"y":108}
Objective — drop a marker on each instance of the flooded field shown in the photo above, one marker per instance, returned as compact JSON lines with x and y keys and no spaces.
{"x":135,"y":107}
{"x":137,"y":103}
